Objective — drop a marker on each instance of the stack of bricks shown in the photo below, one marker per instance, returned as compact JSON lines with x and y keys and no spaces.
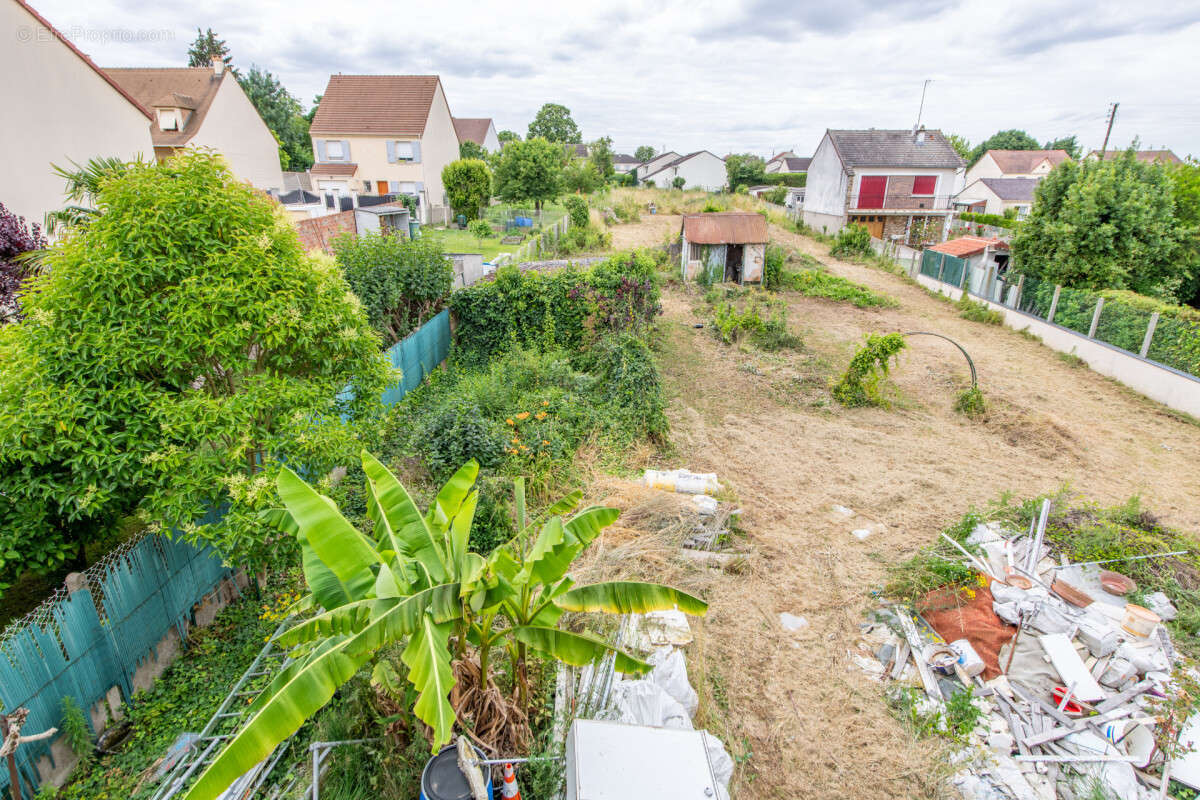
{"x":317,"y":233}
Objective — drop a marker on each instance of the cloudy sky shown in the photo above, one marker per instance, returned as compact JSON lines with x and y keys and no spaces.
{"x":754,"y":75}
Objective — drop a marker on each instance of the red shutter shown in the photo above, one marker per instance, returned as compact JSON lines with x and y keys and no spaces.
{"x":871,"y":191}
{"x":924,"y":184}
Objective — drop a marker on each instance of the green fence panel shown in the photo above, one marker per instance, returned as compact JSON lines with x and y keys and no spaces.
{"x":419,"y":354}
{"x":929,"y":263}
{"x":952,"y":272}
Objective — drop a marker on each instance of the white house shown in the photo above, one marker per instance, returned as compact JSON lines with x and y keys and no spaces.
{"x":480,"y":130}
{"x":897,"y":183}
{"x":206,"y":107}
{"x":624,"y":163}
{"x":787,"y":162}
{"x":1015,"y":164}
{"x":61,"y":108}
{"x":386,"y":135}
{"x":698,"y":170}
{"x":997,"y":195}
{"x":654,"y":164}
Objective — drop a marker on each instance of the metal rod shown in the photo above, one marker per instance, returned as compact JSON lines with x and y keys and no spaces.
{"x":1035,"y":552}
{"x":966,"y":355}
{"x":496,"y":761}
{"x":1130,"y":558}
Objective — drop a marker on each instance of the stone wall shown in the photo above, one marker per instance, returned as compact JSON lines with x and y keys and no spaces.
{"x":317,"y":232}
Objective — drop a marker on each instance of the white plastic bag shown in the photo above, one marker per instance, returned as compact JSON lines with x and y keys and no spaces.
{"x":670,"y":672}
{"x":644,"y":702}
{"x":721,"y":762}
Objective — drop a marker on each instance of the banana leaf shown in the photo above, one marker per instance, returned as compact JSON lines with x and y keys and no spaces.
{"x":630,"y":597}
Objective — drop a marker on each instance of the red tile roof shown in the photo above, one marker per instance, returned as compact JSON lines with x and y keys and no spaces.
{"x":968,"y":246}
{"x":375,"y":105}
{"x":725,"y":227}
{"x":107,"y":78}
{"x":334,"y":169}
{"x":172,"y":87}
{"x":1022,"y":161}
{"x":472,"y":129}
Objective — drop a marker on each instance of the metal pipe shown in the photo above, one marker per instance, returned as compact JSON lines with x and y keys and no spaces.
{"x":1130,"y":558}
{"x":966,"y":355}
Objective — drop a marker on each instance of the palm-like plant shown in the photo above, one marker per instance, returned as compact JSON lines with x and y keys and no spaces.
{"x":83,"y":186}
{"x":415,"y":582}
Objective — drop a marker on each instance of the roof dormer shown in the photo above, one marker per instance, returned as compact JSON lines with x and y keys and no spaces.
{"x":172,"y":111}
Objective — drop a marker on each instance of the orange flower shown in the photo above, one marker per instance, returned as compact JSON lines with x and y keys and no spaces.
{"x":545,"y":441}
{"x":540,"y":415}
{"x":523,"y":447}
{"x":509,"y":421}
{"x":515,"y":440}
{"x":523,"y":415}
{"x":545,"y":402}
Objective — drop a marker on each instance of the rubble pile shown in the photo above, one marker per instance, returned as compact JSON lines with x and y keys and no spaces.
{"x":1069,"y":678}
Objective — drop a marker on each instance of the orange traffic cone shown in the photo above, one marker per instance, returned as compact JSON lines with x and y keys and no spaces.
{"x":510,"y":790}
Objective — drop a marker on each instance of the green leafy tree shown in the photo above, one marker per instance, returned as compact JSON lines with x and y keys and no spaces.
{"x":508,"y":136}
{"x":212,"y":350}
{"x":1068,"y":143}
{"x":1185,"y":178}
{"x":601,"y":157}
{"x":554,"y":124}
{"x":282,"y":113}
{"x":745,"y":169}
{"x":312,"y":112}
{"x":401,"y":282}
{"x":1105,"y":225}
{"x":529,"y":171}
{"x":469,"y":149}
{"x":581,"y":177}
{"x":644,"y":153}
{"x":577,"y":210}
{"x":1012,"y":139}
{"x":960,"y":145}
{"x":206,"y":47}
{"x":413,"y":584}
{"x":468,"y":184}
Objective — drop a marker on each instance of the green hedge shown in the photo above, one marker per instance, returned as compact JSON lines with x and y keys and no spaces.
{"x":795,"y":179}
{"x":995,"y":220}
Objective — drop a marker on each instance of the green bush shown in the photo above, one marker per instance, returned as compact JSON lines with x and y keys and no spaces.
{"x":577,"y":210}
{"x":773,"y":266}
{"x":468,"y":185}
{"x":971,"y":402}
{"x":480,"y":229}
{"x":795,"y":179}
{"x":629,"y":385}
{"x":978,"y":312}
{"x":819,"y":283}
{"x":455,"y":432}
{"x":581,"y":239}
{"x":862,"y":384}
{"x":778,"y":195}
{"x":853,"y":240}
{"x":995,"y":220}
{"x":401,"y":282}
{"x":763,"y":321}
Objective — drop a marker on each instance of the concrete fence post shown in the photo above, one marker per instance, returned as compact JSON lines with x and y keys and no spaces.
{"x":1095,"y":318}
{"x":1020,"y":288}
{"x":962,"y":277}
{"x":941,"y":265}
{"x":1054,"y":303}
{"x":1149,"y":334}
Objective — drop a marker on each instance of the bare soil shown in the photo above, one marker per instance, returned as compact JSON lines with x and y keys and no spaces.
{"x":801,"y":719}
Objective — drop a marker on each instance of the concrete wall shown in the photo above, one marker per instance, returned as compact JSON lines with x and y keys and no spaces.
{"x":1163,"y":384}
{"x":234,"y":129}
{"x":57,"y":110}
{"x":825,"y":193}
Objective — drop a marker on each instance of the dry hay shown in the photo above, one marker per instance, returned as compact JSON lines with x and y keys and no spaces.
{"x":1031,"y":431}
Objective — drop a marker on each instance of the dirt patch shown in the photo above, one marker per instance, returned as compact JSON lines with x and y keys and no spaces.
{"x":800,"y":718}
{"x":652,"y":231}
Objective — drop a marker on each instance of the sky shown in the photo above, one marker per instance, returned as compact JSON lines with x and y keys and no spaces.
{"x":755,"y":76}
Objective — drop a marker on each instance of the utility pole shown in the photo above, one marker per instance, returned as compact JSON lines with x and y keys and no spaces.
{"x":921,"y":110}
{"x":1112,"y":115}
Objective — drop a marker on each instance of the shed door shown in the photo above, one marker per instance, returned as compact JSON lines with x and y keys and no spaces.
{"x":871,"y":191}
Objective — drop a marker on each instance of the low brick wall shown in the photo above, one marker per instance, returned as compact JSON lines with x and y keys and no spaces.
{"x":316,"y":232}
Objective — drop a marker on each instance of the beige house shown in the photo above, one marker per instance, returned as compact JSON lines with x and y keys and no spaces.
{"x":206,"y":107}
{"x":997,"y":195}
{"x":1015,"y":164}
{"x":480,"y":130}
{"x":63,"y":109}
{"x":385,"y":134}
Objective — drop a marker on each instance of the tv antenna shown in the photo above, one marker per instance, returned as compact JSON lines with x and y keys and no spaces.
{"x":921,"y":110}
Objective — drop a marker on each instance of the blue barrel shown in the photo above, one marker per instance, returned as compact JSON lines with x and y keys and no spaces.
{"x":442,"y":780}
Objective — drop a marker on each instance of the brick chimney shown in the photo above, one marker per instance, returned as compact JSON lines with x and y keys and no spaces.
{"x":218,"y":65}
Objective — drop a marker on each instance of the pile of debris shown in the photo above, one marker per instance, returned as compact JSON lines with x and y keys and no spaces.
{"x":1069,"y":678}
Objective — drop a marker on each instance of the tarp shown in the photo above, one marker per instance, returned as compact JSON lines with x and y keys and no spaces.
{"x":972,"y":619}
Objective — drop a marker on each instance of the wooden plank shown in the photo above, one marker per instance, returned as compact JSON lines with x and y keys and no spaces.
{"x":909,"y":629}
{"x":1125,"y":696}
{"x":1055,"y":734}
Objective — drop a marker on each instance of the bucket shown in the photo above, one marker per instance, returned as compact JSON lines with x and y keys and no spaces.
{"x":1139,"y":621}
{"x":442,"y":780}
{"x":968,"y":659}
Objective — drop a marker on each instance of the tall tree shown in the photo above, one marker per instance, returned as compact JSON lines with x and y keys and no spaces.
{"x":602,"y":157}
{"x":644,"y":153}
{"x":468,"y":184}
{"x":206,"y":47}
{"x":1105,"y":225}
{"x":960,"y":145}
{"x":1011,"y":139}
{"x":554,"y":124}
{"x":1068,"y":143}
{"x":508,"y":136}
{"x":469,"y":149}
{"x":1185,"y":179}
{"x":282,"y":113}
{"x":529,"y":171}
{"x":744,"y":169}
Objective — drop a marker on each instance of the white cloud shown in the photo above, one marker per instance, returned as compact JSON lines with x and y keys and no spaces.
{"x":760,"y":75}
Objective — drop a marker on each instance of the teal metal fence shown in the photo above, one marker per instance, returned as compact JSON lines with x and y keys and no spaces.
{"x":418,"y":355}
{"x":83,"y":643}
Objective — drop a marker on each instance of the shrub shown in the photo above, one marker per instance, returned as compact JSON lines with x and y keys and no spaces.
{"x":679,"y":182}
{"x":778,"y":195}
{"x":853,"y":240}
{"x":455,"y":432}
{"x":628,"y":210}
{"x":861,"y":385}
{"x":480,"y":229}
{"x":577,"y":210}
{"x":468,"y":184}
{"x":819,"y":283}
{"x":971,"y":402}
{"x":995,"y":220}
{"x":583,"y":239}
{"x":711,"y":207}
{"x":773,"y":266}
{"x":764,"y":322}
{"x":401,"y":282}
{"x":978,"y":312}
{"x":629,"y":385}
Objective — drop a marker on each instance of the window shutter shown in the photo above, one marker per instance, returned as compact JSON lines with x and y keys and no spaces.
{"x":346,"y":150}
{"x":320,"y":149}
{"x":416,"y":151}
{"x":391,"y":151}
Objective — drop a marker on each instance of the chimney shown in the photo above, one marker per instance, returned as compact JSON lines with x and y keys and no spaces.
{"x":218,"y":65}
{"x":921,"y":135}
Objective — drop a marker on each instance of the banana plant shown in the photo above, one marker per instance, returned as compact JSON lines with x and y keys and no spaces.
{"x":415,"y":582}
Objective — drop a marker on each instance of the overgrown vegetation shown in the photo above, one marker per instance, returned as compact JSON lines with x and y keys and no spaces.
{"x":751,"y":315}
{"x":821,"y":283}
{"x":978,"y":312}
{"x":853,"y":240}
{"x":863,"y":382}
{"x":577,"y":210}
{"x":971,"y":402}
{"x":400,"y":282}
{"x":16,"y":239}
{"x":936,"y":567}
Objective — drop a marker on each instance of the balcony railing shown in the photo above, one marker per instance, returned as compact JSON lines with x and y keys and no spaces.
{"x":899,"y":202}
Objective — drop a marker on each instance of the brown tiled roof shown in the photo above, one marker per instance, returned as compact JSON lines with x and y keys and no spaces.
{"x":1145,"y":156}
{"x":725,"y":227}
{"x":156,"y":86}
{"x":334,"y":169}
{"x":472,"y":129}
{"x":894,"y":148}
{"x":379,"y":105}
{"x":968,"y":246}
{"x":1020,"y":161}
{"x":107,"y":78}
{"x":794,"y":164}
{"x":1012,"y":190}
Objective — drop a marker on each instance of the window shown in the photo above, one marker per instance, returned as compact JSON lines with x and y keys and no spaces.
{"x":168,"y":120}
{"x":924,"y":184}
{"x":334,"y":150}
{"x":402,"y":187}
{"x":404,"y":151}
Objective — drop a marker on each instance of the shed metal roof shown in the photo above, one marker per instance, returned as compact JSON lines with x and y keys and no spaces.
{"x":725,"y":227}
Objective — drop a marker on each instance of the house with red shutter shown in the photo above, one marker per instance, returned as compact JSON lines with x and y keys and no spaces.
{"x":897,"y":183}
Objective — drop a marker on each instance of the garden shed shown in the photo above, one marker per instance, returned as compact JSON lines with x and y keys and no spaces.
{"x":723,"y":246}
